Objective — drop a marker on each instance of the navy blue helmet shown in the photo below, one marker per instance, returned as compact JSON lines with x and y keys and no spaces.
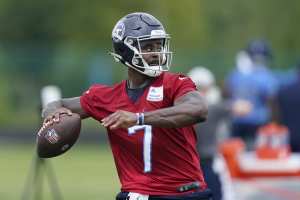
{"x":259,"y":48}
{"x":128,"y":36}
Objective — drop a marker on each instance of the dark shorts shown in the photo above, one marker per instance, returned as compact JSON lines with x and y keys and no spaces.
{"x":203,"y":195}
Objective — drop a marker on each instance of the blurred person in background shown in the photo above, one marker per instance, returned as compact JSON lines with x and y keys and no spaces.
{"x":288,"y":102}
{"x":212,"y":131}
{"x":149,"y":117}
{"x":251,"y":88}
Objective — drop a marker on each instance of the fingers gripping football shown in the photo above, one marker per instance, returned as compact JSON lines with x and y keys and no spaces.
{"x":120,"y":119}
{"x":54,"y":139}
{"x":54,"y":118}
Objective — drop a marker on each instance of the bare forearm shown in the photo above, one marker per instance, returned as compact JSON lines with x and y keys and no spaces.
{"x":170,"y":118}
{"x":72,"y":104}
{"x":178,"y":115}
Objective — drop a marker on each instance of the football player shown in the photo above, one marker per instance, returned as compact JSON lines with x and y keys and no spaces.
{"x":149,"y":117}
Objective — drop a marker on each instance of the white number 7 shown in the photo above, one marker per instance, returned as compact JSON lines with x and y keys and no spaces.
{"x":147,"y":143}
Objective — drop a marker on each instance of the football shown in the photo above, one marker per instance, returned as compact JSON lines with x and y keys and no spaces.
{"x":57,"y":138}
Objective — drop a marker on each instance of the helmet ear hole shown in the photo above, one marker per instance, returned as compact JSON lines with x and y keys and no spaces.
{"x":130,"y":41}
{"x":135,"y":61}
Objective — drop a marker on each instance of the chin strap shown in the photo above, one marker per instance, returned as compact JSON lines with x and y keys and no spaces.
{"x":117,"y":57}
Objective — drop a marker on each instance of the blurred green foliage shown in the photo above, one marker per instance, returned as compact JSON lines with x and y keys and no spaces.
{"x":55,"y":41}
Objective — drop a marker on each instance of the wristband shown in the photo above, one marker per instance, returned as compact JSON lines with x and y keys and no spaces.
{"x":140,"y":118}
{"x":137,"y":118}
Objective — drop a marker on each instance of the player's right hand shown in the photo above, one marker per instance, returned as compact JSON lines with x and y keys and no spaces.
{"x":120,"y":119}
{"x":55,"y":116}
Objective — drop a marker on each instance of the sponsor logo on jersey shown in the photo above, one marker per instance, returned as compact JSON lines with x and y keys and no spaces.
{"x":155,"y":94}
{"x":52,"y":136}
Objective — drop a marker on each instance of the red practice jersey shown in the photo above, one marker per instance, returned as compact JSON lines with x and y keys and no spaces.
{"x":149,"y":160}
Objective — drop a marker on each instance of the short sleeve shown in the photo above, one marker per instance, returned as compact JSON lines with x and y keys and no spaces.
{"x":183,"y":85}
{"x":86,"y":100}
{"x":92,"y":103}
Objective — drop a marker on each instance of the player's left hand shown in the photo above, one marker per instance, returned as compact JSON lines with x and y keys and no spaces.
{"x":120,"y":119}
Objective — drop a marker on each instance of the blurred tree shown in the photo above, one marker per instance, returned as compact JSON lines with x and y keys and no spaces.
{"x":52,"y":41}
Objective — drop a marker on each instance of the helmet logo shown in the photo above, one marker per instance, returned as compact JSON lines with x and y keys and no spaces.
{"x":118,"y":31}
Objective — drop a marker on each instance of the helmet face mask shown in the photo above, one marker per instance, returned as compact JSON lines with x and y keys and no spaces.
{"x":151,"y":54}
{"x":140,"y":42}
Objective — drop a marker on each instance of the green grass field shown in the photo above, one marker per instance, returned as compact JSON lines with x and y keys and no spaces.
{"x":85,"y":172}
